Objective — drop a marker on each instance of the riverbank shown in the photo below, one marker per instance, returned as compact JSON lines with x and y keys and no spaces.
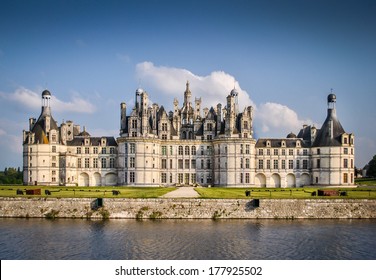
{"x":179,"y":208}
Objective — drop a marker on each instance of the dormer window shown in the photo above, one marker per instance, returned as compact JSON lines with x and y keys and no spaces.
{"x":268,"y":143}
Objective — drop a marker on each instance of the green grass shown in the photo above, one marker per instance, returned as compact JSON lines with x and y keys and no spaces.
{"x":278,"y":193}
{"x":365,"y":182}
{"x":87,"y":192}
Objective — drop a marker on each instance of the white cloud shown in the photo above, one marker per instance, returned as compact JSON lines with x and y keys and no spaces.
{"x":274,"y":117}
{"x":271,"y":119}
{"x":169,"y":81}
{"x":32,"y":100}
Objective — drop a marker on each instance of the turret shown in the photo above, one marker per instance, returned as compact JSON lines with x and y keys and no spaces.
{"x":123,"y":117}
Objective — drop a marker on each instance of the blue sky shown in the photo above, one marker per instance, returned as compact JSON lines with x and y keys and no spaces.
{"x":283,"y":57}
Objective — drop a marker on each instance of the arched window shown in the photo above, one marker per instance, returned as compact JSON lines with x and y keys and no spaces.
{"x":193,"y":150}
{"x":186,"y":150}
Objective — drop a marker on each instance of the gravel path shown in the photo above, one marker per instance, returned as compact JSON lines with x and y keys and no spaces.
{"x":182,"y":192}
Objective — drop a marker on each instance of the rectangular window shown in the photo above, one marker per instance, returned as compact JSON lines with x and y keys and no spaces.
{"x":261,"y":152}
{"x":297,"y":164}
{"x":104,"y":150}
{"x":132,"y":162}
{"x":305,"y":152}
{"x":79,"y":163}
{"x":164,"y":150}
{"x":104,"y":163}
{"x":186,"y":163}
{"x":276,"y":152}
{"x":193,"y":164}
{"x":247,"y":178}
{"x":318,"y":163}
{"x":95,"y":150}
{"x":247,"y":149}
{"x":164,"y":136}
{"x":275,"y":165}
{"x":268,"y":164}
{"x":87,"y":150}
{"x":283,"y":164}
{"x":180,"y":151}
{"x":164,"y":163}
{"x":241,"y":178}
{"x":134,"y":123}
{"x":164,"y":126}
{"x":345,"y":163}
{"x":345,"y":178}
{"x":186,"y":178}
{"x":208,"y":163}
{"x":241,"y":163}
{"x":305,"y":164}
{"x":87,"y":162}
{"x":180,"y":164}
{"x":186,"y":150}
{"x":291,"y":164}
{"x":291,"y":152}
{"x":261,"y":164}
{"x":54,"y":149}
{"x":78,"y":150}
{"x":170,"y":163}
{"x":241,"y":148}
{"x":171,"y":150}
{"x":112,"y":163}
{"x":131,"y":177}
{"x":193,"y":150}
{"x":95,"y":162}
{"x":193,"y":178}
{"x":164,"y":178}
{"x":318,"y":151}
{"x":112,"y":150}
{"x":180,"y":178}
{"x":283,"y":152}
{"x":345,"y":151}
{"x":247,"y":163}
{"x":132,"y":148}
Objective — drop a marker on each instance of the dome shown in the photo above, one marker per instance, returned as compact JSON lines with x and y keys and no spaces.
{"x":139,"y":91}
{"x":332,"y":98}
{"x":234,"y":92}
{"x":46,"y":93}
{"x":291,"y":135}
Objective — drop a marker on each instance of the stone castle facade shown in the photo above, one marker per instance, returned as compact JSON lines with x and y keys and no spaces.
{"x":186,"y":146}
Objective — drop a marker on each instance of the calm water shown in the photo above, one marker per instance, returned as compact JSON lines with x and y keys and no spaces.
{"x":187,"y":239}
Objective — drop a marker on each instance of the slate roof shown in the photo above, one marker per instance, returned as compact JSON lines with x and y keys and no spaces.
{"x":323,"y":138}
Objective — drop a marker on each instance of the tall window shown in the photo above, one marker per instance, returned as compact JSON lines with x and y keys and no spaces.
{"x":104,"y":162}
{"x":79,"y":163}
{"x":78,"y":150}
{"x":132,"y":148}
{"x":87,"y":162}
{"x":275,"y":164}
{"x":283,"y":164}
{"x":268,"y":164}
{"x":95,"y":150}
{"x":193,"y":150}
{"x":180,"y":151}
{"x":87,"y":150}
{"x":247,"y":178}
{"x":104,"y":150}
{"x":261,"y":164}
{"x":134,"y":123}
{"x":291,"y":164}
{"x":345,"y":178}
{"x":131,"y":177}
{"x":297,"y":164}
{"x":247,"y":163}
{"x":261,"y":152}
{"x":318,"y":163}
{"x":345,"y":163}
{"x":132,"y":162}
{"x":95,"y":162}
{"x":164,"y":178}
{"x":305,"y":164}
{"x":186,"y":163}
{"x":112,"y":150}
{"x":186,"y":150}
{"x":247,"y":149}
{"x":193,"y":164}
{"x":112,"y":163}
{"x":276,"y":152}
{"x":164,"y":126}
{"x":164,"y":163}
{"x":164,"y":150}
{"x":180,"y":164}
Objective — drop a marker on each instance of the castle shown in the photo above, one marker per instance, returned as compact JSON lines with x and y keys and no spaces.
{"x":186,"y":146}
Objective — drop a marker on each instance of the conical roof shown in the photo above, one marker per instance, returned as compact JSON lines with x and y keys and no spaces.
{"x":330,"y":133}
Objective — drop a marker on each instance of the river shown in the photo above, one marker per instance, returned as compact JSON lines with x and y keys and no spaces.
{"x":73,"y":239}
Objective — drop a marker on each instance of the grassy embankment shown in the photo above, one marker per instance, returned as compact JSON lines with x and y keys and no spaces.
{"x":278,"y":193}
{"x":89,"y":192}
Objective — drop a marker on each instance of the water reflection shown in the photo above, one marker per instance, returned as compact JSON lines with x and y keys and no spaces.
{"x":187,"y":239}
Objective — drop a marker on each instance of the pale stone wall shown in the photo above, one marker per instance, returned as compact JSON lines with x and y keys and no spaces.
{"x":189,"y":208}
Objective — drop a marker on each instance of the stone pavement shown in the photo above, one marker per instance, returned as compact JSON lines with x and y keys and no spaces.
{"x":182,"y":192}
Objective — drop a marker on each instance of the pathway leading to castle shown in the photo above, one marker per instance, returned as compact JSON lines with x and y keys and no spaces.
{"x":182,"y":192}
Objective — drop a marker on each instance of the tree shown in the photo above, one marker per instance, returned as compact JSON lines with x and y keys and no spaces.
{"x":371,"y":172}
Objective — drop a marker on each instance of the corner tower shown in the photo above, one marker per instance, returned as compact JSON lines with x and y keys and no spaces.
{"x":333,"y":151}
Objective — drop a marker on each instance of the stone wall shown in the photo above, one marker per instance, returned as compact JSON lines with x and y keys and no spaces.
{"x":187,"y":208}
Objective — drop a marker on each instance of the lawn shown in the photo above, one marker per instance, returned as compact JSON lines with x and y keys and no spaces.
{"x":365,"y":182}
{"x":90,"y":192}
{"x":278,"y":193}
